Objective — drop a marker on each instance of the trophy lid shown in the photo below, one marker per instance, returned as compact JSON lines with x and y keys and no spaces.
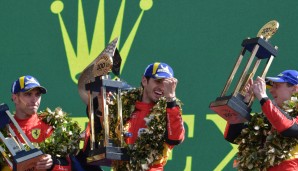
{"x":268,"y":30}
{"x":108,"y":60}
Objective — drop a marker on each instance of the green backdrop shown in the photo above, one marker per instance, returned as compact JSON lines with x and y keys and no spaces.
{"x":200,"y":39}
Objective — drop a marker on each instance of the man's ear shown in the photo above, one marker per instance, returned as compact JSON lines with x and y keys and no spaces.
{"x":144,"y":81}
{"x":295,"y":89}
{"x":14,"y":98}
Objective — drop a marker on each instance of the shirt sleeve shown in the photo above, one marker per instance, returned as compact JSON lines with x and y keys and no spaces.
{"x":175,"y":128}
{"x":280,"y":120}
{"x":232,"y":131}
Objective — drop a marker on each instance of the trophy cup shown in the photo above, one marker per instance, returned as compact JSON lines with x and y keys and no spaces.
{"x":23,"y":158}
{"x":232,"y":107}
{"x":96,"y":79}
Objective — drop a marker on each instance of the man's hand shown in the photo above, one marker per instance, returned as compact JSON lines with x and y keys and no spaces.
{"x":109,"y":97}
{"x":248,"y":91}
{"x":259,"y":88}
{"x":170,"y":87}
{"x":45,"y":162}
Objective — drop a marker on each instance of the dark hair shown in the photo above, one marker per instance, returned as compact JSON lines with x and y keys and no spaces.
{"x":147,"y":81}
{"x":290,"y":85}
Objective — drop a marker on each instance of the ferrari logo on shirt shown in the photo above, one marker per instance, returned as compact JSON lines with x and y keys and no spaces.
{"x":35,"y":133}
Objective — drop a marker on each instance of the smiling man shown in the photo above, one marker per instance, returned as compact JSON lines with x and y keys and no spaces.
{"x":157,"y":81}
{"x":281,"y":87}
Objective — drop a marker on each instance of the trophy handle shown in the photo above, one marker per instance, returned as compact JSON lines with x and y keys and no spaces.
{"x":120,"y":116}
{"x":14,"y":137}
{"x":105,"y":115}
{"x":244,"y":73}
{"x":267,"y":66}
{"x":91,"y":116}
{"x":231,"y":77}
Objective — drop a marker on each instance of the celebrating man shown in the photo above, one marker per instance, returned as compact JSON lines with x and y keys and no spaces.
{"x":282,"y":88}
{"x":154,"y":104}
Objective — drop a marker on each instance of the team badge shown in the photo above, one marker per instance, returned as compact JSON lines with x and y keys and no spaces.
{"x":35,"y":133}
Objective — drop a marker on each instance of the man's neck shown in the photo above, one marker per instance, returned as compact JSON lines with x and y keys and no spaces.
{"x":23,"y":116}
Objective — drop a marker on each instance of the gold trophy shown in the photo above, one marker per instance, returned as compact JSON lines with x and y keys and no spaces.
{"x":96,"y":79}
{"x":232,"y":107}
{"x":22,"y":158}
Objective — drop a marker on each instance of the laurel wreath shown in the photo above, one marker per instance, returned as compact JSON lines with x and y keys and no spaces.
{"x":261,"y":146}
{"x":65,"y":138}
{"x":149,"y":145}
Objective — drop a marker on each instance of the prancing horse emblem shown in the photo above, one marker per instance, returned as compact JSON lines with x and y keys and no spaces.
{"x":35,"y":133}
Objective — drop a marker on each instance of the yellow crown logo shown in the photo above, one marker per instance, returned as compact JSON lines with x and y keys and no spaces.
{"x":84,"y":55}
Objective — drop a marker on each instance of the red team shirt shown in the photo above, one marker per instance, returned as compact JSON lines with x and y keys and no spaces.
{"x":37,"y":131}
{"x":175,"y":129}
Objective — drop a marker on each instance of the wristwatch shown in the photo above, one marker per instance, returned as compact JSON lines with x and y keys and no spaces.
{"x":263,"y":100}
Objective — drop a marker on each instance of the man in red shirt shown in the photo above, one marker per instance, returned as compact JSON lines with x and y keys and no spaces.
{"x":282,"y":88}
{"x":157,"y":81}
{"x":26,"y":94}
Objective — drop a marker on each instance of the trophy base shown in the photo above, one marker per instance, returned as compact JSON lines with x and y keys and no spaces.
{"x":104,"y":156}
{"x":26,"y":160}
{"x":232,"y":109}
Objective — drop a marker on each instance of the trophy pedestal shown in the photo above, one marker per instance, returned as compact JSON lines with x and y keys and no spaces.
{"x":232,"y":109}
{"x":94,"y":80}
{"x":103,"y":156}
{"x":26,"y":160}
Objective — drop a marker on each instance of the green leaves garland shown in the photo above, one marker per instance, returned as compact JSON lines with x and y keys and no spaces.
{"x":149,"y":145}
{"x":261,"y":146}
{"x":3,"y":163}
{"x":66,"y":136}
{"x":64,"y":140}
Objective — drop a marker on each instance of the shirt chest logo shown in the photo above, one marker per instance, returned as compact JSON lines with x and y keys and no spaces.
{"x":35,"y":133}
